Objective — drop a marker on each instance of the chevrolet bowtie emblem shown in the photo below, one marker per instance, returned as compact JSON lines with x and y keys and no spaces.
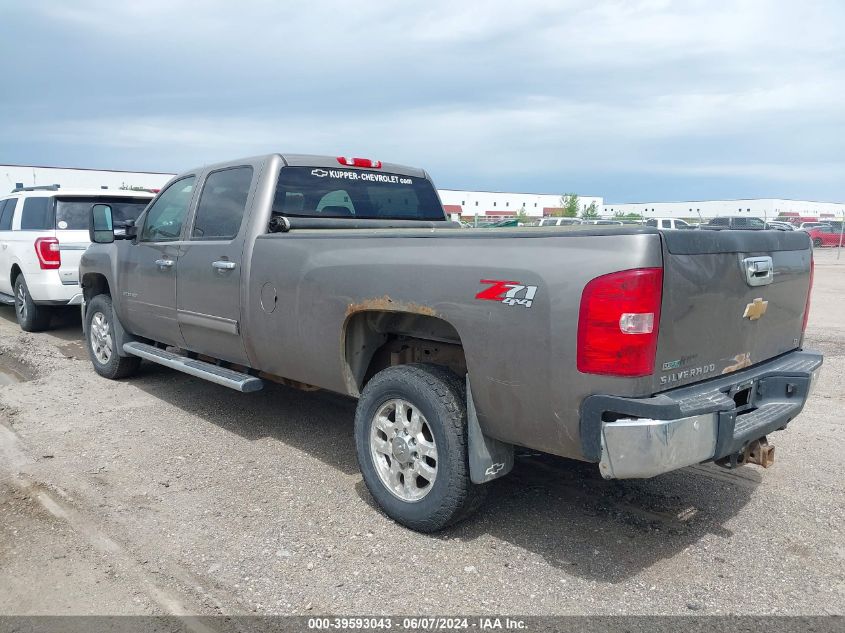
{"x":755,"y":309}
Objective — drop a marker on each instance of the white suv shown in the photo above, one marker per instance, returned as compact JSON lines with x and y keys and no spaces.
{"x":43,"y":232}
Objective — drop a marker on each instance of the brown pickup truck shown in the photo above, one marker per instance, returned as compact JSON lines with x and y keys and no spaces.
{"x":640,"y":350}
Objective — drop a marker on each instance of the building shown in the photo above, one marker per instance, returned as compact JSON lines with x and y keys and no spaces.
{"x":765,"y":208}
{"x":13,"y":176}
{"x":498,"y":204}
{"x":466,"y":204}
{"x":457,"y":202}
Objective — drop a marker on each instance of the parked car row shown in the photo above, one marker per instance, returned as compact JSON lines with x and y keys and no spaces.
{"x":739,"y":223}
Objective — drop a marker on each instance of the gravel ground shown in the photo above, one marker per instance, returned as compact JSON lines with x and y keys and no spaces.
{"x":168,"y":495}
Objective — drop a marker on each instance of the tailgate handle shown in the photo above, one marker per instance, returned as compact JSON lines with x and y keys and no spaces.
{"x":759,"y":271}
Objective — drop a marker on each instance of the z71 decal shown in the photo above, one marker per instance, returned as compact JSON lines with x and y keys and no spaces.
{"x":511,"y":293}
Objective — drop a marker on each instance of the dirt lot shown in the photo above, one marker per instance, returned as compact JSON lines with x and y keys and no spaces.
{"x":166,"y":494}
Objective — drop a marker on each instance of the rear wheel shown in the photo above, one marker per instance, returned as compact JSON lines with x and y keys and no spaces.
{"x":817,"y":242}
{"x":31,"y":316}
{"x":411,"y":439}
{"x":102,"y":343}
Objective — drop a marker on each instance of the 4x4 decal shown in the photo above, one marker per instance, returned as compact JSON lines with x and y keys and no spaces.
{"x":511,"y":293}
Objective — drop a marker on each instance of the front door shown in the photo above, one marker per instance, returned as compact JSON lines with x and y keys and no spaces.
{"x":209,"y":279}
{"x":7,"y":212}
{"x":147,"y":271}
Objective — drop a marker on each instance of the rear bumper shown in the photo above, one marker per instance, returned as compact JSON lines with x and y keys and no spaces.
{"x":643,"y":437}
{"x":46,"y":288}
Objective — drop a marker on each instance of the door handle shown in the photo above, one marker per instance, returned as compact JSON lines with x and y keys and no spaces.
{"x":223,"y":265}
{"x":164,"y":263}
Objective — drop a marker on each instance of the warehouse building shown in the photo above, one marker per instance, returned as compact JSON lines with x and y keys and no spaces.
{"x":15,"y":176}
{"x":457,"y":202}
{"x":466,"y":204}
{"x":498,"y":204}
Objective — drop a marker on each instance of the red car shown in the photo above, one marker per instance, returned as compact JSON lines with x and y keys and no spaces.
{"x":825,"y":236}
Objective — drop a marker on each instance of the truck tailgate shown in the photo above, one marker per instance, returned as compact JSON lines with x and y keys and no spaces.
{"x":731,"y":299}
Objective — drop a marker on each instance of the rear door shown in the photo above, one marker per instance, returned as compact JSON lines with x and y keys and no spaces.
{"x":731,"y":299}
{"x":147,"y":267}
{"x":7,"y":212}
{"x":210,"y":266}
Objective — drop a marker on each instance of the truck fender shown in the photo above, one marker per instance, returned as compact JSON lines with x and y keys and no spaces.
{"x":489,"y":458}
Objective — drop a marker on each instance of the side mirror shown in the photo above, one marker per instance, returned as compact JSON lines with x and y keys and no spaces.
{"x":101,"y":230}
{"x":126,"y":230}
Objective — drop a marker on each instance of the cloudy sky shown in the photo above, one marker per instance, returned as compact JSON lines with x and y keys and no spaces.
{"x":628,"y":99}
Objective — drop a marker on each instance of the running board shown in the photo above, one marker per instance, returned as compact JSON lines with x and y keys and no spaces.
{"x":7,"y":300}
{"x":219,"y":375}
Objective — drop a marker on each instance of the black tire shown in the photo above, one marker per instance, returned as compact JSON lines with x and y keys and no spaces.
{"x":116,"y":366}
{"x":31,"y":316}
{"x":817,"y":242}
{"x":440,"y":396}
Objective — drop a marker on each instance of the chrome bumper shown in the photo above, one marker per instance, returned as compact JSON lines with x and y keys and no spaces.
{"x":644,"y":437}
{"x":634,"y":448}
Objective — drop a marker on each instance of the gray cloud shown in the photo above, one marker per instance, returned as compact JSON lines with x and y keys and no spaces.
{"x":627,"y":99}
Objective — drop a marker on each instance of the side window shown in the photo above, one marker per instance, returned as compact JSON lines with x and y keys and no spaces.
{"x":7,"y":211}
{"x":222,"y":204}
{"x":651,"y":222}
{"x":167,"y":214}
{"x":36,"y":215}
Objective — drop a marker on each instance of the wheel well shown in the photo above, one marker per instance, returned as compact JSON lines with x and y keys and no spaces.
{"x":374,"y":340}
{"x":16,"y":270}
{"x":94,"y":284}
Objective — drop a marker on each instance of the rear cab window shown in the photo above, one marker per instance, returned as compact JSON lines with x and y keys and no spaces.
{"x":363,"y":194}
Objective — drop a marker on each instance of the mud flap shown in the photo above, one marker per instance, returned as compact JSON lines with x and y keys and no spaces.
{"x":488,"y":458}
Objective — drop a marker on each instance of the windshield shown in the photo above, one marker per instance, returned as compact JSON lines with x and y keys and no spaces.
{"x":73,"y":214}
{"x":347,"y":193}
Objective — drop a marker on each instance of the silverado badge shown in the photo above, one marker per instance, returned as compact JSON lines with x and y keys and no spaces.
{"x":755,"y":309}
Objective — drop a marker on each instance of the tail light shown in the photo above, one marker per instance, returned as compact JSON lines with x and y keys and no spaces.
{"x":809,"y":292}
{"x":359,"y":162}
{"x":618,"y":323}
{"x":49,"y":256}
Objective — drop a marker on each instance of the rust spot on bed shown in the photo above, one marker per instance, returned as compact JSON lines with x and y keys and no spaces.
{"x":740,"y":361}
{"x":387,"y":304}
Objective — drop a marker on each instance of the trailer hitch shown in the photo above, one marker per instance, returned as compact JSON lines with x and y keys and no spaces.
{"x":758,"y":452}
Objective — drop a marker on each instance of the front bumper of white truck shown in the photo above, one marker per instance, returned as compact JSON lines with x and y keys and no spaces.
{"x":708,"y":421}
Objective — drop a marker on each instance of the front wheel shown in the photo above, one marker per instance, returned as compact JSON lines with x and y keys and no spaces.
{"x":411,"y":440}
{"x":31,"y":316}
{"x":817,"y":242}
{"x":102,"y":343}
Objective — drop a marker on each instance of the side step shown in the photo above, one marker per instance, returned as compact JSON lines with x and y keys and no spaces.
{"x":7,"y":300}
{"x":220,"y":375}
